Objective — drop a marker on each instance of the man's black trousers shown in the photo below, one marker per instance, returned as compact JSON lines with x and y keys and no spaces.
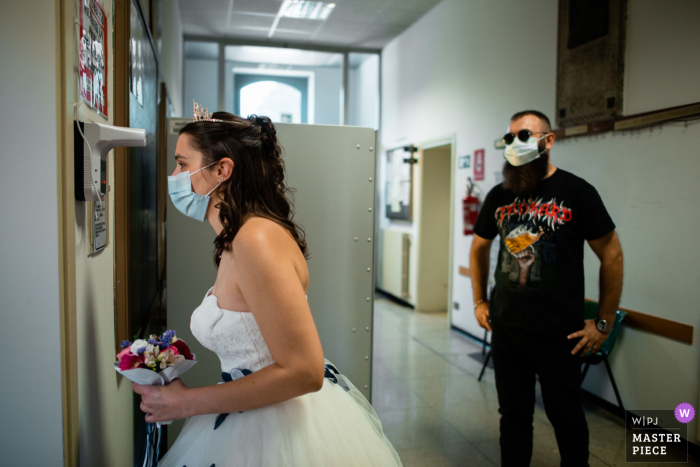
{"x":517,"y":356}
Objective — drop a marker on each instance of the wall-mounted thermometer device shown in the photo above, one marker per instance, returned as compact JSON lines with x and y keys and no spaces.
{"x":91,"y":159}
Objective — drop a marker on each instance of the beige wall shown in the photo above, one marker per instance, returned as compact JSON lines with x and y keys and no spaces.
{"x":434,"y":229}
{"x":105,"y":398}
{"x":465,"y":68}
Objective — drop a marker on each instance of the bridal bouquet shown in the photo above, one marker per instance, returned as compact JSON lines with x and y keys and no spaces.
{"x":156,"y":361}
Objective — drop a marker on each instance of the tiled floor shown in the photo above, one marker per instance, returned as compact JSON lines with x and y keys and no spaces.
{"x":436,"y":413}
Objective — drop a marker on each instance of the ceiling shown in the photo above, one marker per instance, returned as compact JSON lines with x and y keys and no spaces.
{"x":369,"y":24}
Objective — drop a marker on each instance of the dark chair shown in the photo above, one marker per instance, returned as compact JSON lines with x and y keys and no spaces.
{"x":488,"y":355}
{"x":604,"y":351}
{"x":590,"y":312}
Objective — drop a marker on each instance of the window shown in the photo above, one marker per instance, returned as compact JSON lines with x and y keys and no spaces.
{"x":285,"y":96}
{"x":279,"y":101}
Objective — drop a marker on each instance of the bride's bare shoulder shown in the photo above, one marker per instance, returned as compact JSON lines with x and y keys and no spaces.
{"x":257,"y":232}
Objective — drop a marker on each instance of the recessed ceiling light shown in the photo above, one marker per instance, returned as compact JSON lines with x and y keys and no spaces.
{"x":301,"y":9}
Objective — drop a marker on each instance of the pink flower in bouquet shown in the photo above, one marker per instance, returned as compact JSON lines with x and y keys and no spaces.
{"x":182,"y":349}
{"x":156,"y":353}
{"x":149,"y":360}
{"x":168,"y":358}
{"x":130,"y":361}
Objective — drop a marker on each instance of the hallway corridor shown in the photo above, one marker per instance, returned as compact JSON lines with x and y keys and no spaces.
{"x":436,"y":413}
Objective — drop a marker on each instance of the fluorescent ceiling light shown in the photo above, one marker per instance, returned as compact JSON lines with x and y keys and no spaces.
{"x":306,"y":10}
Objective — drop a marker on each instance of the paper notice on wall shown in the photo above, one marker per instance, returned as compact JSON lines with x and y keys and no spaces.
{"x":395,"y":196}
{"x":99,"y":225}
{"x":92,"y":69}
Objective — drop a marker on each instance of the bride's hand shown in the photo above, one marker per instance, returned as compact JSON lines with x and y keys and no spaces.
{"x":163,"y":402}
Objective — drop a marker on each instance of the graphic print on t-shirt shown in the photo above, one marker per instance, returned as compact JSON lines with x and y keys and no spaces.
{"x":529,"y":231}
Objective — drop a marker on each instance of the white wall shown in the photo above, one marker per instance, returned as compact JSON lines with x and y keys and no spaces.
{"x":171,"y":53}
{"x":200,"y":84}
{"x":30,"y":338}
{"x":458,"y":71}
{"x":363,"y":84}
{"x":463,"y":69}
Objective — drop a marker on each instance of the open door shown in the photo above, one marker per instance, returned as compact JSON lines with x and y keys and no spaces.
{"x":333,"y":170}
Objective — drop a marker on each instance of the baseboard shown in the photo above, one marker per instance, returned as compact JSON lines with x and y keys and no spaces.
{"x":394,"y":298}
{"x":469,"y":335}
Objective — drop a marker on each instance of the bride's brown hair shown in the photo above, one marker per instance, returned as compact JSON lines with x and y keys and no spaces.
{"x":257,"y":185}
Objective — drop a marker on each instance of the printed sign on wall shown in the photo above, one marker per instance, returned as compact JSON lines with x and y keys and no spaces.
{"x":465,"y":161}
{"x":92,"y":70}
{"x":479,"y":164}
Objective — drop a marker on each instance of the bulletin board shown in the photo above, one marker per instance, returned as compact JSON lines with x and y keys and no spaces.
{"x":92,"y":69}
{"x":590,"y":60}
{"x":399,"y":183}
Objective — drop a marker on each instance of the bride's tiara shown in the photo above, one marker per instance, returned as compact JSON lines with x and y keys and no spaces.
{"x":202,"y":114}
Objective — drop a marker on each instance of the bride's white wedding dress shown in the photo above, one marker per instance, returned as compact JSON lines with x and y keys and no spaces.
{"x":335,"y":426}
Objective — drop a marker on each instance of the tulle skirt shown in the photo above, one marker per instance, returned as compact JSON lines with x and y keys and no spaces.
{"x":328,"y":428}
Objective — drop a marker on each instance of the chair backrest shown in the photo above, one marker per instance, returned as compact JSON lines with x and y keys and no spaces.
{"x":591,"y":312}
{"x":609,"y":343}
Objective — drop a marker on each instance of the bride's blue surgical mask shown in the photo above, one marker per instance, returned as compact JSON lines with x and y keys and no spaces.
{"x":185,"y":200}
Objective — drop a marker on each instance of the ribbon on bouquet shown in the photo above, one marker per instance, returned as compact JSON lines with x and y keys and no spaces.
{"x":151,"y":451}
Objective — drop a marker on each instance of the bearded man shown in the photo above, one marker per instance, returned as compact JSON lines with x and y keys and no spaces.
{"x":543,"y":215}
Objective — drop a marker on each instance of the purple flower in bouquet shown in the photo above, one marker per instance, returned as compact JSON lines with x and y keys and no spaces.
{"x":124,"y":344}
{"x":168,"y":336}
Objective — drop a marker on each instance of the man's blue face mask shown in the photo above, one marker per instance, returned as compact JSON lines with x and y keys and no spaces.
{"x":185,"y":200}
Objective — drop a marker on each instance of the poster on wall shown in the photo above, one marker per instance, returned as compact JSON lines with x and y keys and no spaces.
{"x":478,"y":165}
{"x":399,"y":183}
{"x":92,"y":70}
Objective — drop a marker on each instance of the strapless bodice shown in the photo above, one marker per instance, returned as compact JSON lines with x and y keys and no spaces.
{"x":233,"y":335}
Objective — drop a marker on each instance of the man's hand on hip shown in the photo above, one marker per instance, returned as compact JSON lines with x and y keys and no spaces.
{"x":591,"y":338}
{"x":482,"y":315}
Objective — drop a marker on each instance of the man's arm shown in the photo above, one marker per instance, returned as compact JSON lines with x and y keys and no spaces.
{"x":479,"y":266}
{"x":609,"y":251}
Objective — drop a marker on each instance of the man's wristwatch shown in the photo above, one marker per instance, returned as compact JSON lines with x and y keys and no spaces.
{"x":602,"y":326}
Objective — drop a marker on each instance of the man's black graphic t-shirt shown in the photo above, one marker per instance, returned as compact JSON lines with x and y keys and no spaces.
{"x":539,"y":275}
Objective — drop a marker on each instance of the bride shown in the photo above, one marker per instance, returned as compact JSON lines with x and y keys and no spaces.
{"x":281,"y":404}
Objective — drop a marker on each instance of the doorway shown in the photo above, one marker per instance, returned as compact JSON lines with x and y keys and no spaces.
{"x":434,"y":227}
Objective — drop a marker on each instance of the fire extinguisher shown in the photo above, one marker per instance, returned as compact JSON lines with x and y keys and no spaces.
{"x":470,"y":209}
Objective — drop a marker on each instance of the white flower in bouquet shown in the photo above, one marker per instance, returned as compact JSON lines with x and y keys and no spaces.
{"x":138,"y":345}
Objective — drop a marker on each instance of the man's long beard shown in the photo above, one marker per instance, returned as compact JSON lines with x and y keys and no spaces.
{"x":523,"y":180}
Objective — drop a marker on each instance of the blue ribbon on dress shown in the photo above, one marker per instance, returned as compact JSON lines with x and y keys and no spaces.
{"x":334,"y":375}
{"x":330,"y":372}
{"x":233,"y":375}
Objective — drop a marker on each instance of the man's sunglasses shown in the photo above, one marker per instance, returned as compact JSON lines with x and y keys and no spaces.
{"x":523,"y":135}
